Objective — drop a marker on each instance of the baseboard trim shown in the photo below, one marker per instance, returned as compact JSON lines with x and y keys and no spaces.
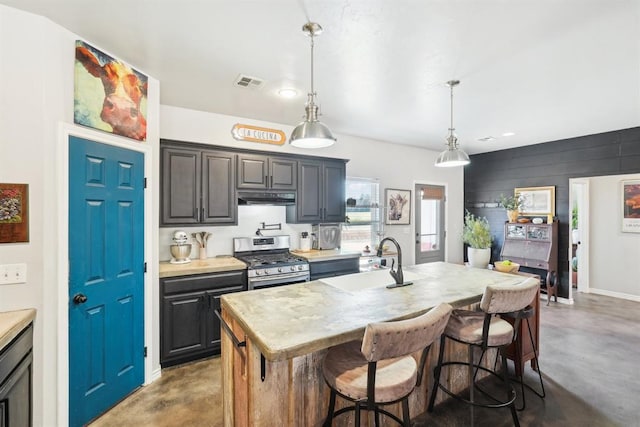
{"x":614,"y":294}
{"x":561,"y":300}
{"x":155,"y":375}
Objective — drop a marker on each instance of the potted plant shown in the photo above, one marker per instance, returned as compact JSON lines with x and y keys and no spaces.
{"x":512,"y":204}
{"x":477,"y":234}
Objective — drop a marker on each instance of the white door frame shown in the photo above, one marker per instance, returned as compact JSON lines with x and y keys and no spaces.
{"x":66,"y":130}
{"x":582,"y":199}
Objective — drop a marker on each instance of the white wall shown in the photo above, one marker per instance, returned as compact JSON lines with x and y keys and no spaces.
{"x":36,"y":87}
{"x":614,"y":255}
{"x":396,"y":166}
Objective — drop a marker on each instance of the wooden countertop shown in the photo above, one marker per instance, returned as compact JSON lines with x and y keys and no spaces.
{"x":12,"y":323}
{"x":315,"y":255}
{"x":200,"y":266}
{"x":290,"y":321}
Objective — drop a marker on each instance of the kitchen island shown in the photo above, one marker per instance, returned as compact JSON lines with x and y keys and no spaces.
{"x":272,"y":373}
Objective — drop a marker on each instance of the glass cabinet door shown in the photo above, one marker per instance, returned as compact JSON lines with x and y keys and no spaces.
{"x":538,"y":232}
{"x":515,"y":231}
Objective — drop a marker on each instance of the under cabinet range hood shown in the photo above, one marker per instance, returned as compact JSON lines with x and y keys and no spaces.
{"x":257,"y":197}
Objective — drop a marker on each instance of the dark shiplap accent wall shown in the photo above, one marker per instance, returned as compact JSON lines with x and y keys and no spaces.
{"x":546,"y":164}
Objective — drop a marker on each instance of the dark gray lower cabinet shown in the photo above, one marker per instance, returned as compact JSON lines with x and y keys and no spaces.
{"x":16,"y":379}
{"x":331,"y":268}
{"x":189,"y":328}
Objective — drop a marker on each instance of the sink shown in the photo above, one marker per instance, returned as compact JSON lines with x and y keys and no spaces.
{"x":369,"y":280}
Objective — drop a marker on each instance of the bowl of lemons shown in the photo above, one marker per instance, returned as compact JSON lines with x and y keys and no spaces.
{"x":506,"y":266}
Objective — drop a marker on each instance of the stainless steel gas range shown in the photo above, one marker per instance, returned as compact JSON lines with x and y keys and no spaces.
{"x":269,"y":262}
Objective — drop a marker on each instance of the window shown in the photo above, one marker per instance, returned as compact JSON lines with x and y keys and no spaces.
{"x":363,"y":212}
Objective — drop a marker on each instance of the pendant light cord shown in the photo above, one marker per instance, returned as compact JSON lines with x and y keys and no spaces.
{"x":451,"y":129}
{"x":312,"y":44}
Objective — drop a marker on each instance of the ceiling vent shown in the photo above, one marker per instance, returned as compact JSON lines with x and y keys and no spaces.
{"x":249,"y":82}
{"x":487,"y":139}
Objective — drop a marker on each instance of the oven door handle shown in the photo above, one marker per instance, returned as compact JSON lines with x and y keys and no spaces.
{"x":228,"y":330}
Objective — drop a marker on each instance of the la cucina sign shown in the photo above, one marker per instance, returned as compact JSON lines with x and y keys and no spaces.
{"x":250,"y":133}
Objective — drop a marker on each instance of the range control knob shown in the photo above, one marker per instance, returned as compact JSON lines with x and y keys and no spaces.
{"x":292,"y":268}
{"x":279,"y":270}
{"x":300,"y":267}
{"x":257,"y":273}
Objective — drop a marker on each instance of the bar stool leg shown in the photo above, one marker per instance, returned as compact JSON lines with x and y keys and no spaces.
{"x":472,"y":385}
{"x":405,"y":412}
{"x":508,"y":389}
{"x":332,"y":404}
{"x":537,"y":362}
{"x":436,"y":375}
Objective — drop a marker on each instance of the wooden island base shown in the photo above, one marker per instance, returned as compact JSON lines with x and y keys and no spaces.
{"x":294,"y":393}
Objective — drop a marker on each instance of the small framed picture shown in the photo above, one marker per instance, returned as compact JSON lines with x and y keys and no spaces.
{"x":398,"y":204}
{"x":631,"y":206}
{"x":537,"y":201}
{"x":14,"y":213}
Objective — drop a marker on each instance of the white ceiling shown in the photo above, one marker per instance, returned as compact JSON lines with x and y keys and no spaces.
{"x":544,"y":69}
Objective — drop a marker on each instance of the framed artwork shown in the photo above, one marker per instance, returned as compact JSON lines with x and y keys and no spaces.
{"x":108,"y":94}
{"x":14,"y":213}
{"x":398,"y":203}
{"x":537,"y":201}
{"x":631,"y":206}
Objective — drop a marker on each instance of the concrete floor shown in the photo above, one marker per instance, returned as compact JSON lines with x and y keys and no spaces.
{"x":589,"y":359}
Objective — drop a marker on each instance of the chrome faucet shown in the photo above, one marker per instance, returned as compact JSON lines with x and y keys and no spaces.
{"x":396,"y":274}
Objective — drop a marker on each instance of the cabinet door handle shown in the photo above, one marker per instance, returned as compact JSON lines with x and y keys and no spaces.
{"x":202,"y":216}
{"x":271,"y":185}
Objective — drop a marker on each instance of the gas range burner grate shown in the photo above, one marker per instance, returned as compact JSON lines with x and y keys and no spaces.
{"x":275,"y":259}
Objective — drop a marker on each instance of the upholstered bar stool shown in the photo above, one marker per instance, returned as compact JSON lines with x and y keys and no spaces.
{"x":380,"y":369}
{"x":486,"y":330}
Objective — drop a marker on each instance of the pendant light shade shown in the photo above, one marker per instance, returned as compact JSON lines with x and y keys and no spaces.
{"x":453,"y":155}
{"x":311,"y":133}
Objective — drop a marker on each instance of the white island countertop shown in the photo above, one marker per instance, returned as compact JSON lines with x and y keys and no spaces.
{"x":290,"y":321}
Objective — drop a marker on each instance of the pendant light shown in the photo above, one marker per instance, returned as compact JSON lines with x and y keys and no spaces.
{"x":311,"y":133}
{"x":453,"y":155}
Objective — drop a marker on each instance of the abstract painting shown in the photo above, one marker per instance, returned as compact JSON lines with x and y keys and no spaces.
{"x":631,"y":206}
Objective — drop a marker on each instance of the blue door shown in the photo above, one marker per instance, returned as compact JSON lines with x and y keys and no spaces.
{"x":106,"y":283}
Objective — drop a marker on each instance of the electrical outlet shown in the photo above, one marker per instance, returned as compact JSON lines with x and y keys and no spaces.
{"x":13,"y":273}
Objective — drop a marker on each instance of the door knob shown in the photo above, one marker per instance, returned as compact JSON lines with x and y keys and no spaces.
{"x":79,"y":299}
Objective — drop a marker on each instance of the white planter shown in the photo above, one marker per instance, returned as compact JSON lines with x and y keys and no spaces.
{"x":479,"y":258}
{"x":575,"y":236}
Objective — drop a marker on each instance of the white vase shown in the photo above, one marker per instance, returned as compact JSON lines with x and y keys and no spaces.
{"x":479,"y":258}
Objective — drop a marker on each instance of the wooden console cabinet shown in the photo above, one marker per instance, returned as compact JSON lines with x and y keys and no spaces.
{"x":531,"y":245}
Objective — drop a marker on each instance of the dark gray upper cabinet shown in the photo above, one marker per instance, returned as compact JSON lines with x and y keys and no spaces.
{"x":218,"y":188}
{"x":334,"y":177}
{"x":321,"y":192}
{"x":266,"y":172}
{"x":180,"y":174}
{"x":197,"y":187}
